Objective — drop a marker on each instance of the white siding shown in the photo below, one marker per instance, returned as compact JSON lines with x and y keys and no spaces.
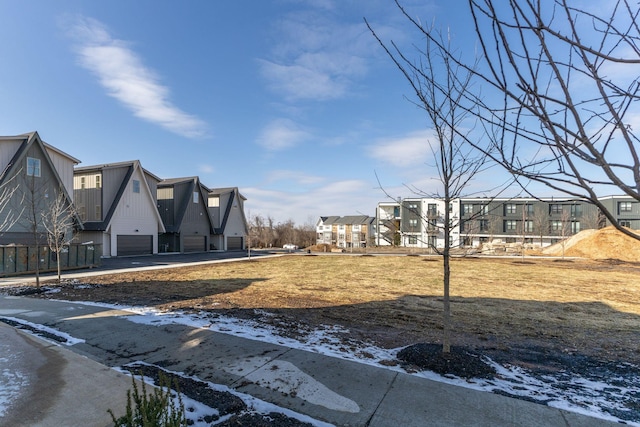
{"x":7,"y":151}
{"x":136,"y":214}
{"x":64,"y":167}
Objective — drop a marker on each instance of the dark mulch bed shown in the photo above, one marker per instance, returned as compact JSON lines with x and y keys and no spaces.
{"x":226,"y":403}
{"x":460,"y":362}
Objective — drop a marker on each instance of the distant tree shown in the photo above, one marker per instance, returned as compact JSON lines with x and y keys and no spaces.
{"x":540,"y":220}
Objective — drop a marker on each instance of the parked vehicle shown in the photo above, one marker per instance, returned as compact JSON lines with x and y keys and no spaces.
{"x":290,"y":247}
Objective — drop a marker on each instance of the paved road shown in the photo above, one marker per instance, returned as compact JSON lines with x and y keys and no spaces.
{"x":343,"y":393}
{"x":123,"y":264}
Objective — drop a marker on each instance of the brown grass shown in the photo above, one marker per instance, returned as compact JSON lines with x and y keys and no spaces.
{"x":586,"y":307}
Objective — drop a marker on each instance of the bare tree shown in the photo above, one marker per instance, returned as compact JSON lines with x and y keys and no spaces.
{"x":440,"y":86}
{"x":563,"y":87}
{"x":540,"y":220}
{"x":58,"y":219}
{"x":8,"y":215}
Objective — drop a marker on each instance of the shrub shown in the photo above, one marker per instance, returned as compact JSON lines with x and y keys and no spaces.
{"x":156,"y":409}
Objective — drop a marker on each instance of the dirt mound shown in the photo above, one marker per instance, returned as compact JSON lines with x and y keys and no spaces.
{"x":606,"y":243}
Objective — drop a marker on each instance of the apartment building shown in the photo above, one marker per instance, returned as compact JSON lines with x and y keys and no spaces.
{"x":418,"y":222}
{"x":345,"y":232}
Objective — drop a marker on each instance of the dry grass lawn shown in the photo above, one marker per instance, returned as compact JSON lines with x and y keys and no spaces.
{"x":578,"y":307}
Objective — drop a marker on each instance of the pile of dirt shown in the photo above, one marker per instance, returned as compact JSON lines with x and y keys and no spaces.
{"x":606,"y":243}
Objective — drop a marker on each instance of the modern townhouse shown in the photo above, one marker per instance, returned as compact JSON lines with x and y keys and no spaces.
{"x":418,"y":222}
{"x":345,"y":232}
{"x":182,"y":203}
{"x":117,"y":203}
{"x":32,"y":175}
{"x":226,"y":208}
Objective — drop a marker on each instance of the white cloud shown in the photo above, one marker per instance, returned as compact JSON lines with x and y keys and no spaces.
{"x":206,"y":168}
{"x":281,"y":134}
{"x":300,"y":178}
{"x":317,"y":57}
{"x":409,"y":150}
{"x":122,"y":73}
{"x":348,"y":197}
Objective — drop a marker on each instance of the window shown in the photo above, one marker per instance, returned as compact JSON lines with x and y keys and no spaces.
{"x":484,"y":225}
{"x":484,"y":209}
{"x":555,"y":209}
{"x":462,"y":224}
{"x":413,"y":206}
{"x":622,"y":206}
{"x":413,"y":240}
{"x":196,"y":199}
{"x":432,"y":209}
{"x":510,"y":225}
{"x":98,"y":212}
{"x":576,"y":210}
{"x":528,"y":208}
{"x":98,"y":181}
{"x":341,"y":227}
{"x":136,"y":186}
{"x":555,"y":225}
{"x":528,"y":226}
{"x":575,"y":227}
{"x":625,"y":223}
{"x":214,"y":201}
{"x":467,"y":209}
{"x":510,"y":208}
{"x":83,"y":183}
{"x":355,"y":227}
{"x":33,"y":166}
{"x":82,"y":213}
{"x":413,"y":222}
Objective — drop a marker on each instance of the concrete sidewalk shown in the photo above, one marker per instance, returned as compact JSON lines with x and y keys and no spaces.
{"x":335,"y":391}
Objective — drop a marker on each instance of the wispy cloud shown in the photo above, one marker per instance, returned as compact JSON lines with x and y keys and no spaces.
{"x":300,"y":178}
{"x":122,"y":73}
{"x":317,"y":56}
{"x":281,"y":134}
{"x":347,"y":197}
{"x":409,"y":150}
{"x":206,"y":168}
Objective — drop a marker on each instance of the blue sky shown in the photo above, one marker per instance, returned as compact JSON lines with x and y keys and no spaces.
{"x":292,"y":101}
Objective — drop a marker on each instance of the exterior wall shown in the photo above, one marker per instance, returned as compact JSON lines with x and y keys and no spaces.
{"x":8,"y":149}
{"x":387,"y":224}
{"x":484,"y":221}
{"x":32,"y":192}
{"x":135,"y":214}
{"x":64,"y":168}
{"x":236,"y":226}
{"x":625,"y":209}
{"x":87,"y":195}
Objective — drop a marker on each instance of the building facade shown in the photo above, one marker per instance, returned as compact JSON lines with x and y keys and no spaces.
{"x":477,"y":222}
{"x":345,"y":232}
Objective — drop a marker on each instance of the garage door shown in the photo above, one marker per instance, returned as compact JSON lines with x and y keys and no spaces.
{"x":135,"y":245}
{"x":194,"y":244}
{"x":234,"y":243}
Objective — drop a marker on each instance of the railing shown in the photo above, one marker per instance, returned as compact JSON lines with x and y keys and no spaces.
{"x":18,"y":259}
